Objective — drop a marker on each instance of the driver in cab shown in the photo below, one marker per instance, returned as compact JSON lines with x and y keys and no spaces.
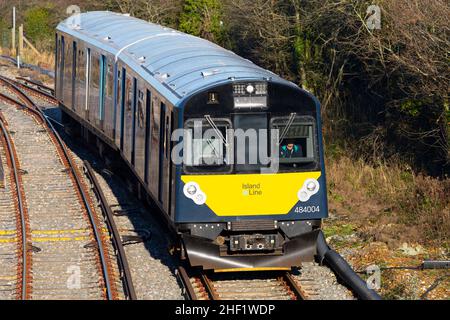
{"x":290,"y":150}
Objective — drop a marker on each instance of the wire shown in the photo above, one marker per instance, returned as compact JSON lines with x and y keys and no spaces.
{"x":395,"y":268}
{"x":434,"y":286}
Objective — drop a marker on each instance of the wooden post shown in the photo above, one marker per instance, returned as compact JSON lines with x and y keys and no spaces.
{"x":13,"y":42}
{"x":20,"y":39}
{"x":31,"y":46}
{"x":13,"y":33}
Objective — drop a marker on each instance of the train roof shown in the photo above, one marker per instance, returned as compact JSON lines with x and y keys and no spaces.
{"x":174,"y":63}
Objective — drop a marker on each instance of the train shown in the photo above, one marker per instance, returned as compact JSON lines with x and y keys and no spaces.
{"x":230,"y":153}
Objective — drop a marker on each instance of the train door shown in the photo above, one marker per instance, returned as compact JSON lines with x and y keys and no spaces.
{"x":154,"y":146}
{"x":172,"y":168}
{"x":74,"y":73}
{"x":109,"y":100}
{"x":164,"y":162}
{"x":56,"y":62}
{"x":87,"y":82}
{"x":101,"y":98}
{"x":80,"y":81}
{"x":61,"y":68}
{"x":162,"y":142}
{"x":148,"y":104}
{"x":124,"y":92}
{"x":130,"y":105}
{"x":68,"y":64}
{"x":139,"y":133}
{"x":57,"y":66}
{"x":94,"y":93}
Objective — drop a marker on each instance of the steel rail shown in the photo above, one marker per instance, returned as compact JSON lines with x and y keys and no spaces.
{"x":209,"y":287}
{"x":37,"y":84}
{"x":31,"y":106}
{"x":33,"y":91}
{"x":14,"y":163}
{"x":36,"y":92}
{"x":295,"y":287}
{"x":185,"y":281}
{"x":115,"y":236}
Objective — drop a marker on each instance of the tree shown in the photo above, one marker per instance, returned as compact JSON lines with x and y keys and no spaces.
{"x":38,"y":25}
{"x":164,"y":12}
{"x":203,"y":18}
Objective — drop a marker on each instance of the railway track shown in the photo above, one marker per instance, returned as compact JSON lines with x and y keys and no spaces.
{"x":14,"y":257}
{"x":244,"y":286}
{"x":70,"y":255}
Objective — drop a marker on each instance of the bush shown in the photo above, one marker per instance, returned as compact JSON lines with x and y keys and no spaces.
{"x":202,"y":18}
{"x":38,"y":25}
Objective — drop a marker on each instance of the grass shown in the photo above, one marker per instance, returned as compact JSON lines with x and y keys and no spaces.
{"x":45,"y":60}
{"x":391,"y":190}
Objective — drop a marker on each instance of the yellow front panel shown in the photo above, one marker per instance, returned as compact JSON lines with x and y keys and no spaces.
{"x":251,"y":194}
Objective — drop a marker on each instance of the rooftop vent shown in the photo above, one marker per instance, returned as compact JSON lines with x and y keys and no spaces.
{"x":142,"y":59}
{"x":162,"y":76}
{"x":209,"y":73}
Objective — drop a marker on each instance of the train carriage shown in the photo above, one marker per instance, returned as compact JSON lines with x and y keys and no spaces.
{"x":135,"y":84}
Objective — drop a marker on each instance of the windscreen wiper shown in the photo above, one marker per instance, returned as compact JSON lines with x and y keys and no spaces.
{"x":287,"y":127}
{"x":216,"y":129}
{"x":209,"y":142}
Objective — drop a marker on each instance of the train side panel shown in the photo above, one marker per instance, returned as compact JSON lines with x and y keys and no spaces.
{"x":122,"y":109}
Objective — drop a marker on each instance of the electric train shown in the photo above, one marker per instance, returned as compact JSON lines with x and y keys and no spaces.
{"x":249,"y":192}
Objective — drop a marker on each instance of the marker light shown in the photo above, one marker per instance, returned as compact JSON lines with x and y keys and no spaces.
{"x":303,"y":196}
{"x":200,"y":198}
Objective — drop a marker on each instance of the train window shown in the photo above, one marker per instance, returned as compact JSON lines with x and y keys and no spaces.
{"x":296,"y":140}
{"x":96,"y":73}
{"x":109,"y":81}
{"x":210,"y":151}
{"x":140,"y":110}
{"x":129,"y":100}
{"x":81,"y":75}
{"x":167,"y":142}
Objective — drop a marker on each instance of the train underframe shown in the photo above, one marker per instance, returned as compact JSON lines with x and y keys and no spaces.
{"x":249,"y":244}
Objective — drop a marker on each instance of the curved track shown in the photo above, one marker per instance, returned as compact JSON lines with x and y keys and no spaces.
{"x":15,"y":261}
{"x":62,"y":214}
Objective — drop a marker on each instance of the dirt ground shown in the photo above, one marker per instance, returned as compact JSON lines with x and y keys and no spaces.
{"x":364,"y":233}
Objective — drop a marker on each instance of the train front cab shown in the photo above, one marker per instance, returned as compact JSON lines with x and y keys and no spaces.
{"x":232,"y":212}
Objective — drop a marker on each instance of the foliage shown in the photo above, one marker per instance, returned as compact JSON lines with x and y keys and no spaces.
{"x":202,"y":18}
{"x":37,"y":23}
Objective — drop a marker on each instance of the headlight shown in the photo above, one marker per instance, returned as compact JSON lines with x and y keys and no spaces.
{"x":191,"y":189}
{"x":311,"y":186}
{"x":250,"y":89}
